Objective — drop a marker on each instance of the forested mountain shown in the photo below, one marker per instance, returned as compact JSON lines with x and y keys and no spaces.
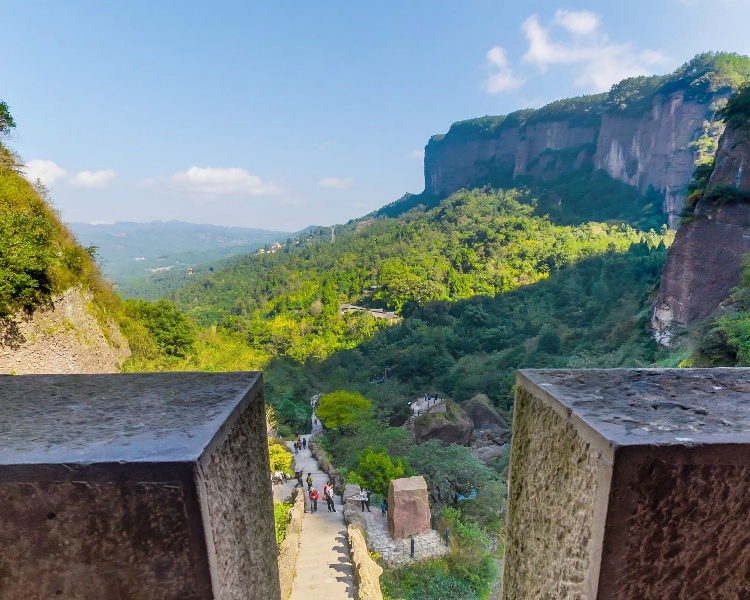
{"x":136,"y":256}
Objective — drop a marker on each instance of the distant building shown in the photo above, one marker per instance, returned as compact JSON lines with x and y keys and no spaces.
{"x":190,"y":270}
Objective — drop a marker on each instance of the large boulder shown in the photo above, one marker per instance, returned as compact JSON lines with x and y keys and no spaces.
{"x":408,"y":507}
{"x":447,"y":422}
{"x":482,"y":412}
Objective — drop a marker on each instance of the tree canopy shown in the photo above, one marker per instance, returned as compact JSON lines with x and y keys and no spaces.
{"x":340,"y":409}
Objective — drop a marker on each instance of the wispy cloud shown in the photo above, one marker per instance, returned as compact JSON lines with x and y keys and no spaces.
{"x":598,"y":62}
{"x":93,"y":179}
{"x":210,"y":182}
{"x":325,"y":145}
{"x":336,"y":183}
{"x":417,"y":154}
{"x":500,"y":77}
{"x":46,"y":171}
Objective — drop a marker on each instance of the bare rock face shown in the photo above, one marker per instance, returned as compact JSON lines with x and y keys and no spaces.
{"x":408,"y":507}
{"x":654,"y":148}
{"x":64,"y":337}
{"x":447,"y":422}
{"x":705,"y":260}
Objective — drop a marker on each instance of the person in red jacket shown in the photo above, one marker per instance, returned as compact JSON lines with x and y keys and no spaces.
{"x":314,"y":497}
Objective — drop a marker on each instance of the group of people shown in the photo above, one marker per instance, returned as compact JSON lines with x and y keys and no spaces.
{"x":314,"y":495}
{"x":300,"y":444}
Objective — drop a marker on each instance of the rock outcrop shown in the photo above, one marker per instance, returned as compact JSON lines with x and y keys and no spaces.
{"x":482,"y":412}
{"x":447,"y":422}
{"x":65,"y":336}
{"x":706,"y":259}
{"x":647,"y":137}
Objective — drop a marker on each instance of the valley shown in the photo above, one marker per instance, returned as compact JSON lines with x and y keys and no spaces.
{"x":574,"y":236}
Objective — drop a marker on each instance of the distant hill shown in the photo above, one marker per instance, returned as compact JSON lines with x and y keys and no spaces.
{"x":134,"y":251}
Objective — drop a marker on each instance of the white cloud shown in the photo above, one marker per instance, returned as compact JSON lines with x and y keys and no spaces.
{"x":599,"y":62}
{"x":416,"y":154}
{"x":211,"y":182}
{"x":580,"y":22}
{"x":500,"y":78}
{"x":325,"y":145}
{"x":46,"y":171}
{"x":93,"y":179}
{"x":336,"y":183}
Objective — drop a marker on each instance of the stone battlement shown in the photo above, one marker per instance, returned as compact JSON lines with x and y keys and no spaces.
{"x":629,"y":484}
{"x":147,"y":485}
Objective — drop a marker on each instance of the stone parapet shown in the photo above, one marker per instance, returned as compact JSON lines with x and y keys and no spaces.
{"x":325,"y":465}
{"x":366,"y":571}
{"x":289,"y":548}
{"x":144,"y":485}
{"x":629,"y":484}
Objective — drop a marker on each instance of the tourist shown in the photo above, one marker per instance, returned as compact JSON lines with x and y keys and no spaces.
{"x":384,"y":506}
{"x":304,"y":442}
{"x":364,"y":499}
{"x":309,"y":481}
{"x":314,"y":496}
{"x":367,"y":499}
{"x":296,"y":448}
{"x":330,"y":497}
{"x":298,"y":477}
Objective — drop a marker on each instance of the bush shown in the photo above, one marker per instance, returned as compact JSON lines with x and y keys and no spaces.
{"x":280,"y":457}
{"x":281,"y":519}
{"x":375,"y":470}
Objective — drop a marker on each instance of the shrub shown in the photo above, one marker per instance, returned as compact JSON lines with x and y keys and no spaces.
{"x":281,"y":519}
{"x":375,"y":470}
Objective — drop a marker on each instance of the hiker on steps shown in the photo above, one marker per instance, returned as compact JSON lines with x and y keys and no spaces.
{"x":314,"y":495}
{"x":309,"y":481}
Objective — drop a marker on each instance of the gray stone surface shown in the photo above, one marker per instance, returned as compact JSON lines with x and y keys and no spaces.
{"x":629,"y":484}
{"x":167,"y":497}
{"x":129,"y":417}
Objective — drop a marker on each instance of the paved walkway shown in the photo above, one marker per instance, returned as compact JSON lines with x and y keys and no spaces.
{"x":324,"y":571}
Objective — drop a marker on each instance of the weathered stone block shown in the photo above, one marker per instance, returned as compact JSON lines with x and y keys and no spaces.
{"x":629,"y":484}
{"x":408,"y":507}
{"x":149,"y":486}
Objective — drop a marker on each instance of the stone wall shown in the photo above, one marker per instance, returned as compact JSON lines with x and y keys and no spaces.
{"x":90,"y":532}
{"x":239,"y":502}
{"x":551,"y":498}
{"x":366,"y":571}
{"x":290,"y":546}
{"x":63,"y":337}
{"x":326,"y":466}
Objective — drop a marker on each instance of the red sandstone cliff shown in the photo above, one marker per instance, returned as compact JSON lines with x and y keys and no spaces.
{"x":705,"y":260}
{"x":658,"y":148}
{"x":646,"y":132}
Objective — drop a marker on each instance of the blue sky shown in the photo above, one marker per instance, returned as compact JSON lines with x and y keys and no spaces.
{"x":284,"y":114}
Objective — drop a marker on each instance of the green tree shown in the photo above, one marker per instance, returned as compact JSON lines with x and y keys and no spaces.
{"x":342,"y":409}
{"x":450,"y":470}
{"x":6,"y":119}
{"x":172,"y":331}
{"x":375,"y":470}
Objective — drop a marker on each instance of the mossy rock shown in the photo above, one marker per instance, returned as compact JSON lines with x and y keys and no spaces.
{"x":451,"y":425}
{"x":483,"y":413}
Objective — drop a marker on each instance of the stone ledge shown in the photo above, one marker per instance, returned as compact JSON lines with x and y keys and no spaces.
{"x":290,"y":546}
{"x":366,"y":571}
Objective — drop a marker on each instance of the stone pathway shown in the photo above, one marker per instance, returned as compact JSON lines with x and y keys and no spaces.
{"x":324,"y":571}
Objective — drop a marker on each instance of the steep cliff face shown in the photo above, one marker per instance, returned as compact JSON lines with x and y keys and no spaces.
{"x":706,"y":259}
{"x":660,"y":148}
{"x":65,"y":336}
{"x":647,"y":132}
